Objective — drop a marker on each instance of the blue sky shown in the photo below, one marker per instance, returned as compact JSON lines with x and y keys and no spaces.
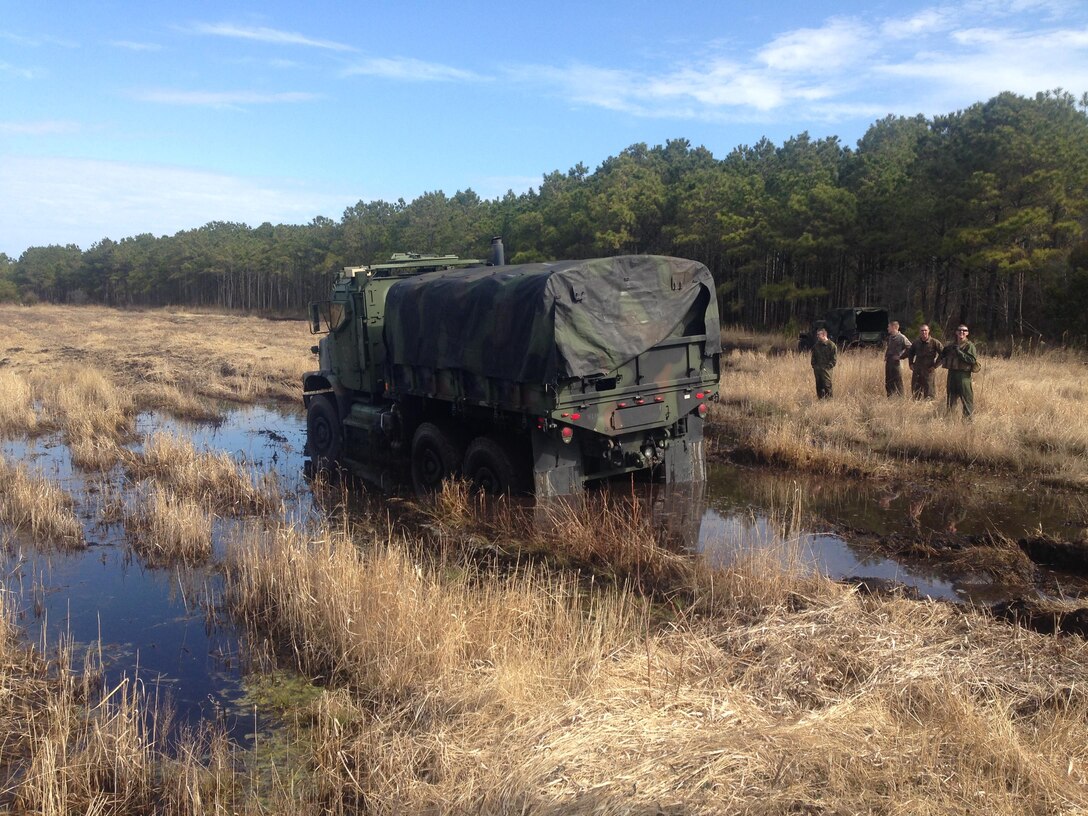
{"x":123,"y":117}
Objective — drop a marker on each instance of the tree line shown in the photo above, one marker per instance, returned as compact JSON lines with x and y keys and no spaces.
{"x":977,"y":216}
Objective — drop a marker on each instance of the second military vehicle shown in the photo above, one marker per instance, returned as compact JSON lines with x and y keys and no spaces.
{"x":849,"y":327}
{"x":534,"y":377}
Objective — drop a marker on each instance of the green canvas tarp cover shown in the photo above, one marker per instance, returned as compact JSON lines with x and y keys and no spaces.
{"x":544,"y":322}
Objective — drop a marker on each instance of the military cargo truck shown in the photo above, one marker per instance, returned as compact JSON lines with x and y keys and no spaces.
{"x":535,"y":377}
{"x":849,"y":327}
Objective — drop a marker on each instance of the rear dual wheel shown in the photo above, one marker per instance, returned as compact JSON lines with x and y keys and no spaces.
{"x":494,"y":467}
{"x":436,"y":456}
{"x":490,"y":465}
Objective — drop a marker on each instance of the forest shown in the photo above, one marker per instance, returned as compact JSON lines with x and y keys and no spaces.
{"x":976,"y":216}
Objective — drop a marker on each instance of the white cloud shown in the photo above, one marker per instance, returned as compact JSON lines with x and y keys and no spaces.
{"x":129,"y":45}
{"x":60,"y":201}
{"x":587,"y":84}
{"x":836,"y":45}
{"x":15,"y":70}
{"x":936,"y":59}
{"x":926,"y":21}
{"x":36,"y":42}
{"x":220,"y":99}
{"x":267,"y":35}
{"x":411,"y":70}
{"x":490,"y":187}
{"x":42,"y":128}
{"x":977,"y":63}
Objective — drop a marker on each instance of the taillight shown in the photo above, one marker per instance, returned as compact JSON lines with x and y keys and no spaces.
{"x":567,"y":434}
{"x":702,"y":410}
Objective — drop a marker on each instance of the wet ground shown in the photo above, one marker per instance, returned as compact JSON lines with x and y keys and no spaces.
{"x":166,"y":625}
{"x":163,"y":625}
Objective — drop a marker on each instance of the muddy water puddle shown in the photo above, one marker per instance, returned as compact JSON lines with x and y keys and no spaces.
{"x":848,"y":527}
{"x":167,"y":625}
{"x":164,"y":626}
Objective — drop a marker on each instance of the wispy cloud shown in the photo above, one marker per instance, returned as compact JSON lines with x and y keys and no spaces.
{"x":220,"y":99}
{"x":922,"y":23}
{"x":981,"y":62}
{"x":411,"y":70}
{"x":828,"y":49}
{"x":60,"y":200}
{"x":43,"y":128}
{"x":263,"y":34}
{"x":36,"y":41}
{"x":849,"y":67}
{"x":129,"y":45}
{"x":16,"y":70}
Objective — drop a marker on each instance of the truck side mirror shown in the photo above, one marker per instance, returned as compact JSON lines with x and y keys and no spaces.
{"x":315,"y":318}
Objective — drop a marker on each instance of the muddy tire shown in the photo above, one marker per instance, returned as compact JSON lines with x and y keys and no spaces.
{"x":436,"y":456}
{"x":494,"y":468}
{"x":324,"y":437}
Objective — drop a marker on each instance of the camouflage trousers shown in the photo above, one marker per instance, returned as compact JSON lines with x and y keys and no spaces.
{"x":893,"y":378}
{"x":923,"y":383}
{"x":960,"y":390}
{"x":823,"y":382}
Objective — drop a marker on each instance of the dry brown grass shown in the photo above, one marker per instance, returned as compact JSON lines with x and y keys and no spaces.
{"x":211,"y":478}
{"x":763,"y":691}
{"x":162,"y":358}
{"x":166,"y":528}
{"x":1031,"y":417}
{"x":69,"y":745}
{"x":35,"y":505}
{"x":17,"y":415}
{"x":447,"y":687}
{"x":450,"y":684}
{"x":742,"y":338}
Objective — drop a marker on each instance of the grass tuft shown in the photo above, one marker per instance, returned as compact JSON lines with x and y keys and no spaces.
{"x":35,"y":505}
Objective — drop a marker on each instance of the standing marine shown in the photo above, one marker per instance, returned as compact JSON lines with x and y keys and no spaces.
{"x":896,"y":350}
{"x":960,"y":358}
{"x":924,"y":357}
{"x":823,"y":360}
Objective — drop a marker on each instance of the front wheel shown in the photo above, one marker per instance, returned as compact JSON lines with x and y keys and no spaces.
{"x":492,"y":468}
{"x":435,"y":458}
{"x":324,"y":439}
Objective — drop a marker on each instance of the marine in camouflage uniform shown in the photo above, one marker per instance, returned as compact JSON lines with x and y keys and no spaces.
{"x":960,"y":358}
{"x":896,"y":350}
{"x":823,"y":360}
{"x":924,"y":357}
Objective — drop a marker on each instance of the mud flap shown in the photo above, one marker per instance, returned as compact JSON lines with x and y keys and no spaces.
{"x":557,"y":467}
{"x":684,"y":457}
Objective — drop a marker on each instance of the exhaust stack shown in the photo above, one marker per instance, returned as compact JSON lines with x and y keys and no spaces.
{"x":498,"y":254}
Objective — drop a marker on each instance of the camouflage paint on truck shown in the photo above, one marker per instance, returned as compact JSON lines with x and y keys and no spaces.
{"x":534,"y":376}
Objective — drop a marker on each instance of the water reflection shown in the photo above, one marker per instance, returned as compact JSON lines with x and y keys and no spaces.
{"x":168,"y":624}
{"x":165,"y":625}
{"x":844,"y":522}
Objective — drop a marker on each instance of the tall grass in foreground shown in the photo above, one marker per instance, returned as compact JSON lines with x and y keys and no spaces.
{"x":1031,"y":417}
{"x":69,"y":745}
{"x":451,"y":688}
{"x":35,"y":505}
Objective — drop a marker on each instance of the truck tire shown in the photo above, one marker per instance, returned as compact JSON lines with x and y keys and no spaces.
{"x":492,"y":467}
{"x":324,"y":438}
{"x":436,"y":457}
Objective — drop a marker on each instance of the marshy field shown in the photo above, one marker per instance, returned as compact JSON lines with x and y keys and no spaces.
{"x":188,"y":625}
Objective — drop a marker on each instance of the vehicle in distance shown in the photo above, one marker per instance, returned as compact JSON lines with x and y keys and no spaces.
{"x":849,"y":327}
{"x":534,"y":377}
